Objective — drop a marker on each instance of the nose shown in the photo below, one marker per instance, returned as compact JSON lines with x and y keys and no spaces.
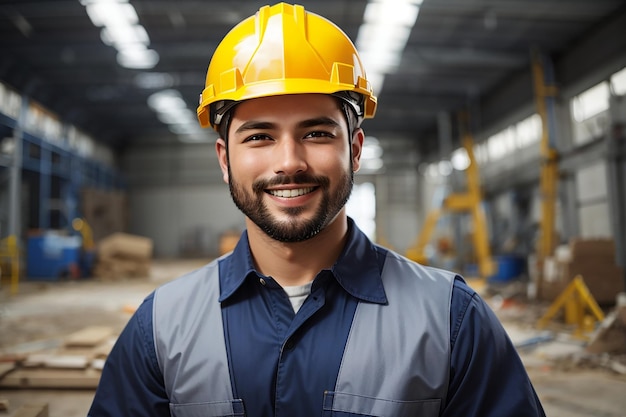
{"x":289,"y":157}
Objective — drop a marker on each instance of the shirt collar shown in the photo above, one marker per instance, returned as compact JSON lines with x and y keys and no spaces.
{"x":358,"y":269}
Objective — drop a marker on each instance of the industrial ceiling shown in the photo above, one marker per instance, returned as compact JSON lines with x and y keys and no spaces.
{"x":460,"y":54}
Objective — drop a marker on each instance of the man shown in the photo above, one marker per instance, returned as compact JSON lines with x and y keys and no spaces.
{"x":306,"y":317}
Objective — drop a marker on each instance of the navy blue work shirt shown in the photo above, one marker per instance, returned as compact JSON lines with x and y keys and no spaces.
{"x":281,"y":362}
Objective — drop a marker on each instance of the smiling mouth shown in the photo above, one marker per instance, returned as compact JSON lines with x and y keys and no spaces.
{"x":296,"y":192}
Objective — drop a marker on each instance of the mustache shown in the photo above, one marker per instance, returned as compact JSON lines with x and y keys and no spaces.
{"x":261,"y":184}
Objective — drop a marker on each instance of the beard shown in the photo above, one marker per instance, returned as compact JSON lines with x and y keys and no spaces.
{"x":294,"y":229}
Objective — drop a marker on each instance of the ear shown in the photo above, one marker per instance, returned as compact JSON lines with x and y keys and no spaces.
{"x":357,"y":146}
{"x":222,"y":157}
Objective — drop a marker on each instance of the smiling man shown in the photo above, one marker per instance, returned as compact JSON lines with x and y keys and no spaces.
{"x":306,"y":317}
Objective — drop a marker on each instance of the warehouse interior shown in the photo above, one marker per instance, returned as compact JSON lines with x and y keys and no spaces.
{"x":498,"y":150}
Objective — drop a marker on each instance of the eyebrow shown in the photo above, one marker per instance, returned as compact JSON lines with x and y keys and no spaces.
{"x":260,"y":125}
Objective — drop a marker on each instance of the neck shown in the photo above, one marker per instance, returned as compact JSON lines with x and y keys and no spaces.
{"x":300,"y":262}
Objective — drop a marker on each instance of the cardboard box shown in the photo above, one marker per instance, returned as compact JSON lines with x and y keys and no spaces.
{"x":594,"y":260}
{"x":122,"y":255}
{"x":124,"y":245}
{"x":604,"y":280}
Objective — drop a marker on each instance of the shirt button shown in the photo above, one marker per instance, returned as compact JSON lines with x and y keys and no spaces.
{"x":262,"y":281}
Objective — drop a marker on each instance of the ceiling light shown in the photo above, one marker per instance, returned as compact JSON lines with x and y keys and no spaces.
{"x":391,"y":13}
{"x":121,"y":29}
{"x":165,"y":100}
{"x":383,"y":36}
{"x":172,"y":110}
{"x":121,"y":35}
{"x":111,"y":13}
{"x":460,"y":160}
{"x":137,"y":58}
{"x":382,"y":62}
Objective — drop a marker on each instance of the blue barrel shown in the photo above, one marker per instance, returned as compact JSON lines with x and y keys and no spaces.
{"x":51,"y":256}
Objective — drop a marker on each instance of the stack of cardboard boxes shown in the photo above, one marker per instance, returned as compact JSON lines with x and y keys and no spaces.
{"x":594,"y":260}
{"x":122,"y":255}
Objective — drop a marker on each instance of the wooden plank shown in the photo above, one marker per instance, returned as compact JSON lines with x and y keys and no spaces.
{"x":6,"y":367}
{"x":56,"y":360}
{"x":89,"y":336}
{"x":51,"y":378}
{"x":98,"y":364}
{"x":67,"y":362}
{"x":34,"y":410}
{"x":36,"y":360}
{"x":4,"y":404}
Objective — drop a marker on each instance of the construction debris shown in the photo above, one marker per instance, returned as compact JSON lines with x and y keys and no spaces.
{"x":32,"y":410}
{"x":611,"y":335}
{"x":76,"y":364}
{"x":51,"y":379}
{"x":89,"y":336}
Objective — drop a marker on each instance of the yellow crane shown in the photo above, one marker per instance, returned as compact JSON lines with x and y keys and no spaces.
{"x":470,"y":202}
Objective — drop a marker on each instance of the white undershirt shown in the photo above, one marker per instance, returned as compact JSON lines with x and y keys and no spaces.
{"x":297,"y":294}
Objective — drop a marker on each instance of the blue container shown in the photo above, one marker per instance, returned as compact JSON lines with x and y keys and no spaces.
{"x":50,"y":257}
{"x":510,"y":267}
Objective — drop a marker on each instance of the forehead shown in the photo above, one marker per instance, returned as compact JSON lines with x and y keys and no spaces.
{"x":288,"y":107}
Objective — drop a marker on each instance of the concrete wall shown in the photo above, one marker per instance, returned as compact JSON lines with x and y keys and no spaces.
{"x":178,"y":199}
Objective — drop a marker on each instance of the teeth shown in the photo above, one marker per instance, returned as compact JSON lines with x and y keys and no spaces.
{"x":291,"y":193}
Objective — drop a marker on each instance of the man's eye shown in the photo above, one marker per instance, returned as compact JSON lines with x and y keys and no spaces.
{"x":256,"y":138}
{"x":320,"y":134}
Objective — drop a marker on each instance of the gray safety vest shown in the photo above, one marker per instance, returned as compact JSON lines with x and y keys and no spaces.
{"x":396,"y":361}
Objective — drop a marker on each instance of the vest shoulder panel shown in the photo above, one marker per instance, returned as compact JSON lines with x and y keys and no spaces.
{"x":398,"y":343}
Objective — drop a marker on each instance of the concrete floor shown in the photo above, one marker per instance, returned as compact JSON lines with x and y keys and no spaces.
{"x":45,"y":312}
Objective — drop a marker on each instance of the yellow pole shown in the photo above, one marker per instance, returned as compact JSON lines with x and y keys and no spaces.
{"x":81,"y":226}
{"x":9,"y":249}
{"x":480,"y":235}
{"x":549,"y":164}
{"x":417,"y":252}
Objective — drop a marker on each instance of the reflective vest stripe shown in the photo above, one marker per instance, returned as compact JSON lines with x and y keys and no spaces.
{"x":189,"y":339}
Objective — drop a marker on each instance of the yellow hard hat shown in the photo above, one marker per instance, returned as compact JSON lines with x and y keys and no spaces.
{"x":284,"y":49}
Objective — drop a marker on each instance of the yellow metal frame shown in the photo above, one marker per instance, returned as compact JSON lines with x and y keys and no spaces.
{"x":9,"y":250}
{"x":417,"y":252}
{"x":81,"y":226}
{"x":468,"y":202}
{"x":573,"y":300}
{"x":549,"y":163}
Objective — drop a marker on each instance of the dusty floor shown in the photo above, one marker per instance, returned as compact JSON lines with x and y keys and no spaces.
{"x":569,"y":382}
